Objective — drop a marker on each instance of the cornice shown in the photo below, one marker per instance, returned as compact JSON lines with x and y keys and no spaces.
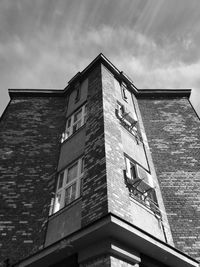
{"x":163,"y":93}
{"x":35,"y":92}
{"x":114,"y":228}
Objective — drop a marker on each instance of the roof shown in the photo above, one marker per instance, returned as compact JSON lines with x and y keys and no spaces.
{"x":119,"y":75}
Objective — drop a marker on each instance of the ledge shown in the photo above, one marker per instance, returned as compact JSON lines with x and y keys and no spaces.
{"x":110,"y":226}
{"x":35,"y":92}
{"x":110,"y":247}
{"x":151,"y":93}
{"x":67,"y":207}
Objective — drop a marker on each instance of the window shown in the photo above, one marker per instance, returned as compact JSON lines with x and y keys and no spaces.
{"x":78,"y":92}
{"x":69,"y":185}
{"x":74,"y":122}
{"x":140,"y":184}
{"x":124,"y":91}
{"x":127,"y":118}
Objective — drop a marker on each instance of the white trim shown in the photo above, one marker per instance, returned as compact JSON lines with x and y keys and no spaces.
{"x":75,"y":122}
{"x":143,"y":187}
{"x":60,"y":196}
{"x":127,"y":118}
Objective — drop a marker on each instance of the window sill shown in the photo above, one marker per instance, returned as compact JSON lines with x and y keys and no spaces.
{"x":137,"y":139}
{"x":71,"y":136}
{"x":127,"y":127}
{"x":52,"y":216}
{"x":143,"y":205}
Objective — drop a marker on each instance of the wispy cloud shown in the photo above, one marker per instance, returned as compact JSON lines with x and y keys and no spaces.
{"x":43,"y":43}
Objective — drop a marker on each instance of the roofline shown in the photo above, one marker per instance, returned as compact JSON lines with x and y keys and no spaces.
{"x":143,"y":93}
{"x":35,"y":92}
{"x":119,"y":75}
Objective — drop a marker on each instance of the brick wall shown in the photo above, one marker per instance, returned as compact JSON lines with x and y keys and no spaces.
{"x":29,"y":148}
{"x":172,"y":129}
{"x":119,"y":201}
{"x":118,"y":195}
{"x":94,"y":193}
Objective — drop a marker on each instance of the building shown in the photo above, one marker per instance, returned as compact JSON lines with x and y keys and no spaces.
{"x":100,"y":174}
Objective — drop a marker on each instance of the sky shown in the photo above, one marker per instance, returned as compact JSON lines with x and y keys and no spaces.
{"x":44,"y":43}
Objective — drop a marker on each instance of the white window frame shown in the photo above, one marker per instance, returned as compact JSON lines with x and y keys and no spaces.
{"x":120,"y":114}
{"x":132,"y":172}
{"x":78,"y":92}
{"x":63,"y":184}
{"x":124,"y":91}
{"x":133,"y":175}
{"x":129,"y":165}
{"x":72,"y":125}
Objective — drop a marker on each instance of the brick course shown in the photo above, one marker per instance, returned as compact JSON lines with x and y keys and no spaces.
{"x":29,"y":148}
{"x":172,"y":129}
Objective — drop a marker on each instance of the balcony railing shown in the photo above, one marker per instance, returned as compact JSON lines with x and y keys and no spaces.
{"x":143,"y":197}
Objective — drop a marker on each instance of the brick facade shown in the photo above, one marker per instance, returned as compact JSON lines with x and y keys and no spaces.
{"x":172,"y":129}
{"x":112,"y":223}
{"x":118,"y":196}
{"x":119,"y":201}
{"x":29,"y":149}
{"x":94,"y":194}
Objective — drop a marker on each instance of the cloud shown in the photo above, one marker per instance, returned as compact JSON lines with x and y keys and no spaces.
{"x":46,"y":47}
{"x":44,"y":63}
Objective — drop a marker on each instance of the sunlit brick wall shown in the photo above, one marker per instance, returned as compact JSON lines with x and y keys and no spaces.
{"x":173,"y":132}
